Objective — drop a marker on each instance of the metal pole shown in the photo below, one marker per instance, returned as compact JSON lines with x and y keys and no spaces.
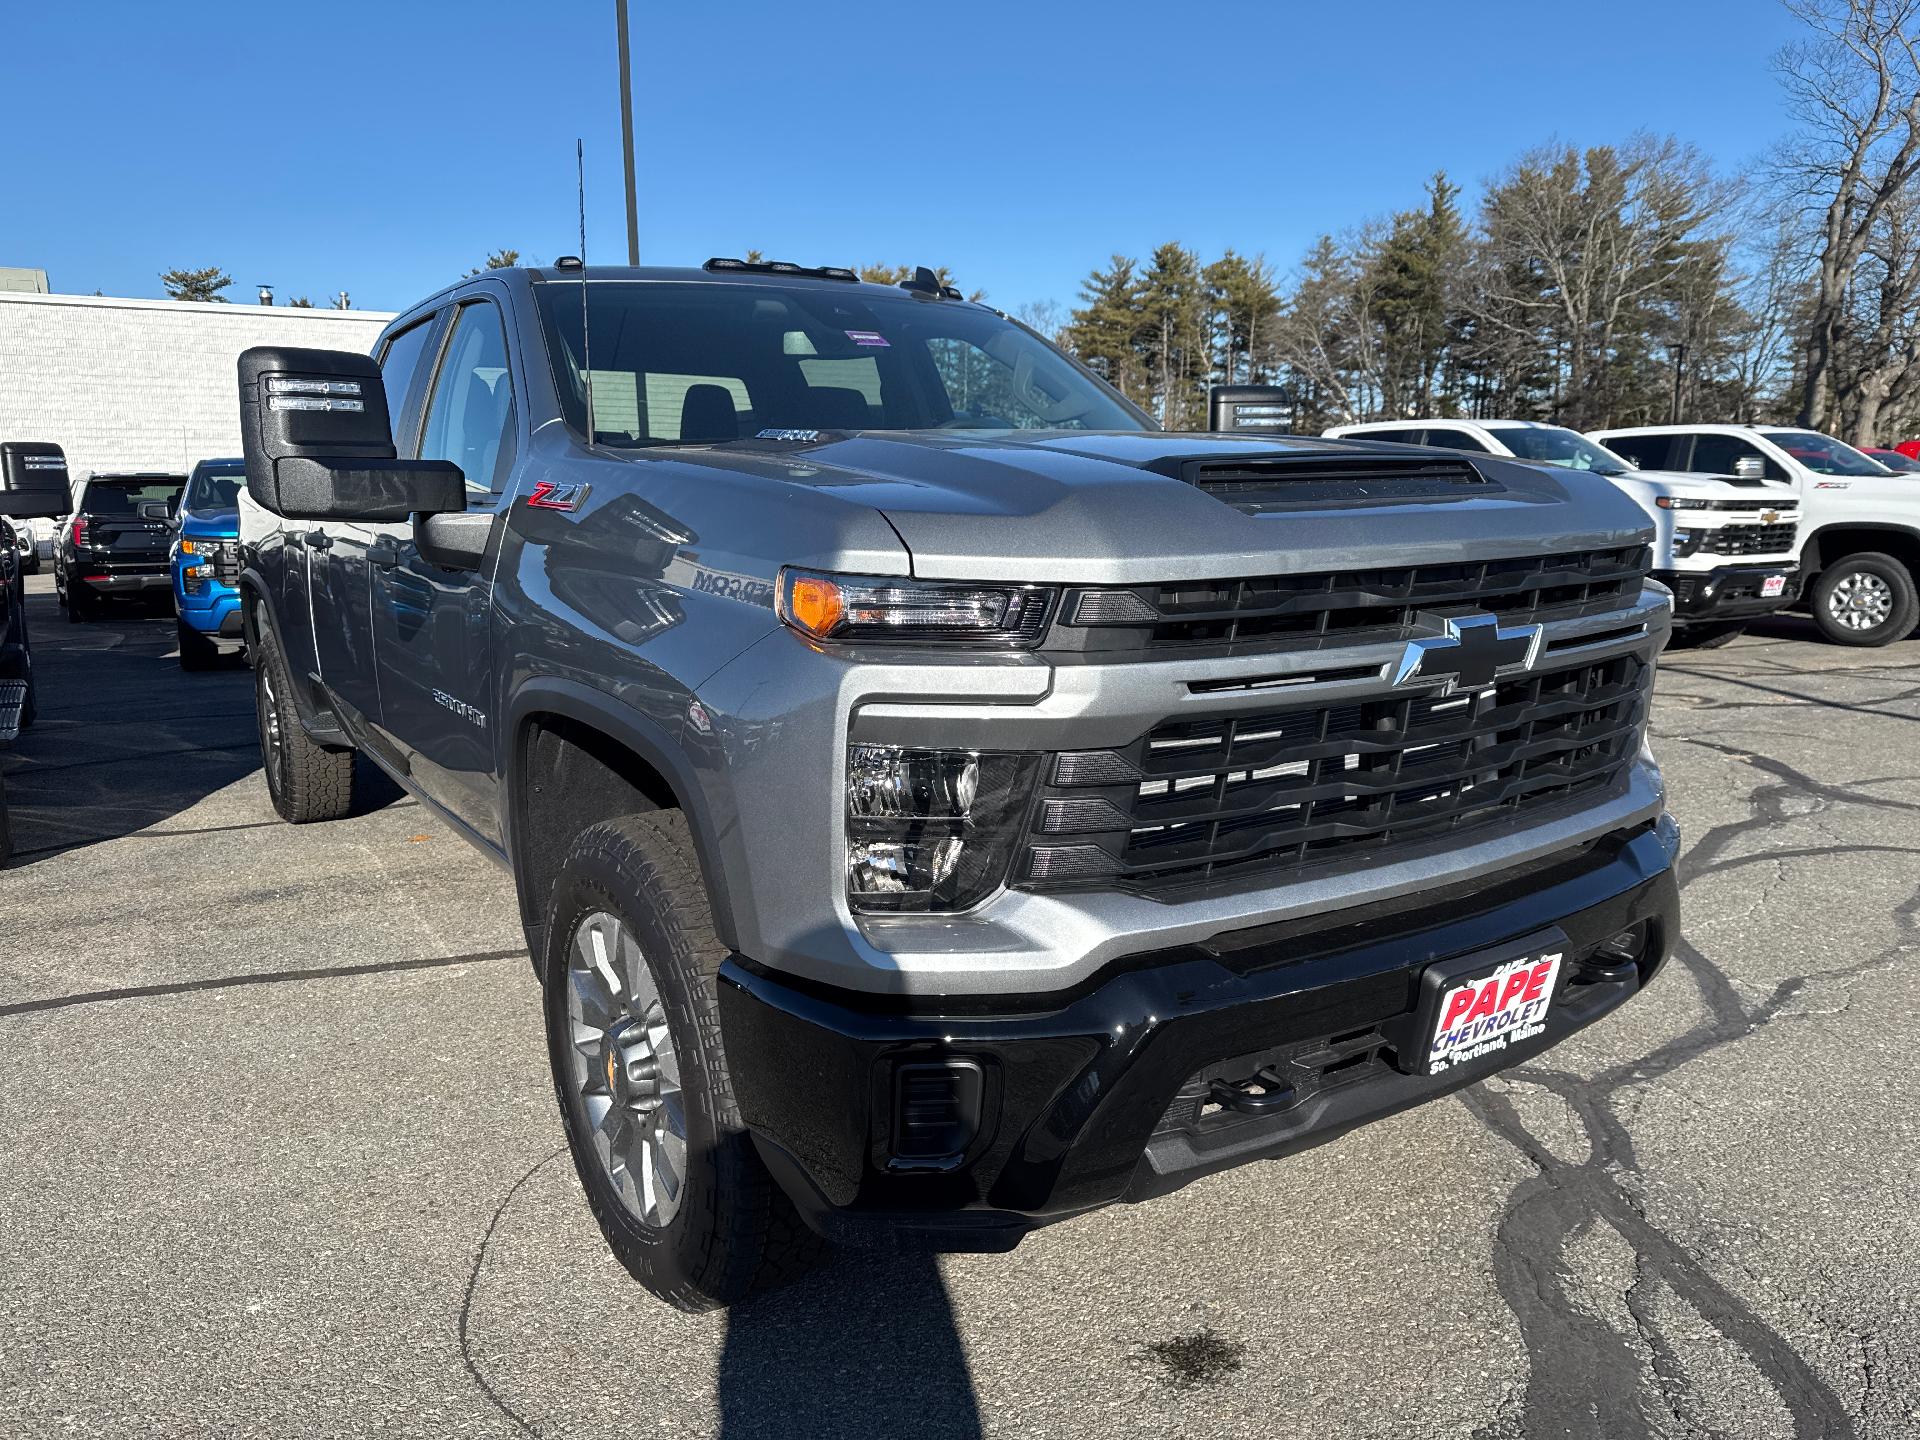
{"x":626,"y":134}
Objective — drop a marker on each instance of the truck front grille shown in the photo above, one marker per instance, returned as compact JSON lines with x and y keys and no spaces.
{"x":1258,"y":796}
{"x":226,"y":562}
{"x":1282,"y":612}
{"x":1748,"y":540}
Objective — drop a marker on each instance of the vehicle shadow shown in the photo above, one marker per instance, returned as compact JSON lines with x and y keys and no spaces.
{"x":867,"y":1345}
{"x":125,"y":739}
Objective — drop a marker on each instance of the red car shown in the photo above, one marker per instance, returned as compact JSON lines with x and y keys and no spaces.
{"x":1901,"y":461}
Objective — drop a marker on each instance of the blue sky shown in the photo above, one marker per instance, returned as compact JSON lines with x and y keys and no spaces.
{"x":385,"y":148}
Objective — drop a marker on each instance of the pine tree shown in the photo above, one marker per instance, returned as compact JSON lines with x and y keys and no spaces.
{"x":1173,"y":307}
{"x":1414,"y":283}
{"x":196,"y":284}
{"x":1240,"y":293}
{"x":1106,"y":330}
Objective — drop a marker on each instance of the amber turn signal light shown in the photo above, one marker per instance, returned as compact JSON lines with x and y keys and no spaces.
{"x":814,"y":604}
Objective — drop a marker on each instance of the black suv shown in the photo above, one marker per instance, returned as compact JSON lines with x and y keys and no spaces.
{"x":117,"y":541}
{"x":33,"y":483}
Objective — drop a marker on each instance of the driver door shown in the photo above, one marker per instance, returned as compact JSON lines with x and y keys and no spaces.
{"x":432,"y":628}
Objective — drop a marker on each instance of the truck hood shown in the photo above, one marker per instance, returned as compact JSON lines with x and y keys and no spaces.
{"x":1681,"y":483}
{"x":213,"y":524}
{"x":1111,"y":507}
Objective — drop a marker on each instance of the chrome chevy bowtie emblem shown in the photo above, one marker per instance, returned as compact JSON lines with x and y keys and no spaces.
{"x":1469,"y":652}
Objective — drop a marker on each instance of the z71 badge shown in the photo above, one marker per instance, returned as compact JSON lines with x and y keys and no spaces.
{"x":557,"y":495}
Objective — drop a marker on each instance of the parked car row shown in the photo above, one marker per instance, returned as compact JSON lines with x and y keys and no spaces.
{"x":1748,"y":518}
{"x":137,"y":534}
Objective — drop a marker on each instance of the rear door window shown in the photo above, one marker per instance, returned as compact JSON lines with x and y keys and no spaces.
{"x":1392,"y":437}
{"x":1451,"y":439}
{"x":399,"y":363}
{"x":1649,"y":452}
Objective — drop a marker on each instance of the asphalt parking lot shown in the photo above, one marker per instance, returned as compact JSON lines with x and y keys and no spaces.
{"x":278,"y":1153}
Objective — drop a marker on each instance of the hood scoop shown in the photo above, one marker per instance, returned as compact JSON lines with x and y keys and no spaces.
{"x":1264,"y":482}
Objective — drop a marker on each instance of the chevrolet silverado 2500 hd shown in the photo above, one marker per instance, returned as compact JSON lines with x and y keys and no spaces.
{"x":1859,"y":539}
{"x":940,"y":802}
{"x":1724,"y":545}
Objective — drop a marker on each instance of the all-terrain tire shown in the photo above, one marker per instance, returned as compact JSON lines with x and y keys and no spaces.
{"x":1878,"y":575}
{"x":305,"y":781}
{"x":735,"y":1231}
{"x":197,"y":652}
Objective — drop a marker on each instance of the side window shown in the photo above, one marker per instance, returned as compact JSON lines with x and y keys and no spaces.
{"x":1454,"y":440}
{"x":1716,"y":454}
{"x":399,"y":361}
{"x":1649,"y":452}
{"x":1392,"y":437}
{"x":470,"y":414}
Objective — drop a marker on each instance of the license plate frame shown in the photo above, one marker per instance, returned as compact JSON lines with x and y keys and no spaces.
{"x":1477,"y":1032}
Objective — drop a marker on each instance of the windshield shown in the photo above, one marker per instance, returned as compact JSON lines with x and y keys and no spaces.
{"x":1552,"y":445}
{"x":1822,"y":454}
{"x":704,"y":363}
{"x":212,"y":489}
{"x":122,"y":499}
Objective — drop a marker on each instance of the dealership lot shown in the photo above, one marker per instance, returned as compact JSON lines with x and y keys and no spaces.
{"x":281,"y":1154}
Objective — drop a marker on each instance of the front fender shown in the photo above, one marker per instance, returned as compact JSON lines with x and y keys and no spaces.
{"x":716,"y":843}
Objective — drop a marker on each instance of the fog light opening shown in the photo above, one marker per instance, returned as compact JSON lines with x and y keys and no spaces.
{"x":936,"y":1113}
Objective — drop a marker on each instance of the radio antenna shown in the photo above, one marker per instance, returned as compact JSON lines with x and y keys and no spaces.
{"x":586,"y":338}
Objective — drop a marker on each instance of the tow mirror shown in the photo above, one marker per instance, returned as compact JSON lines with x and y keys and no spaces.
{"x":1245,"y":408}
{"x":33,"y":480}
{"x":319,"y":444}
{"x":1749,"y":467}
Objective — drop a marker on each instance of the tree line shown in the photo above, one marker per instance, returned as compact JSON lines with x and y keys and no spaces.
{"x":1598,"y":286}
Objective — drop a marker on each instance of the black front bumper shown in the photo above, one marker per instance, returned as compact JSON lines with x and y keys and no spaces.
{"x":1728,"y":593}
{"x":1110,"y":1093}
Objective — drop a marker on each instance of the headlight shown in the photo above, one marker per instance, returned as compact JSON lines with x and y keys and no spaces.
{"x":855,"y":607}
{"x":1675,"y":502}
{"x":931,"y":830}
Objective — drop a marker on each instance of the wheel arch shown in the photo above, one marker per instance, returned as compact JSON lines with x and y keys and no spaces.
{"x":1831,"y":542}
{"x":575,"y":756}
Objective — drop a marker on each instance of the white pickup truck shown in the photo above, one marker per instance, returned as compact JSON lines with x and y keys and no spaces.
{"x":1859,"y":543}
{"x":1724,"y":545}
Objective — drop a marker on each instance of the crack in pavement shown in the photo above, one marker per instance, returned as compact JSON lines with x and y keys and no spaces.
{"x":1584,"y":1379}
{"x":520,"y":1421}
{"x":262,"y":977}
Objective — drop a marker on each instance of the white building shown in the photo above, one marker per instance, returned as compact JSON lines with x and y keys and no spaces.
{"x":144,"y":384}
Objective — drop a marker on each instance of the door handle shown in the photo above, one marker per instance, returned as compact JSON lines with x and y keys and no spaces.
{"x":383,"y":552}
{"x":319,"y":540}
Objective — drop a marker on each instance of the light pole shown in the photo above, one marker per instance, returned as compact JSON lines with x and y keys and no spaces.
{"x":626,"y":133}
{"x":1679,"y":369}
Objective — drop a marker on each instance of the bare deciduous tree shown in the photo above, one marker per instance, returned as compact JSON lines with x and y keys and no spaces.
{"x":1854,"y":83}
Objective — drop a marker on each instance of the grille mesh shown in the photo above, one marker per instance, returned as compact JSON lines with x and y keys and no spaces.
{"x":1279,"y":612}
{"x":1257,"y":795}
{"x":1748,"y":540}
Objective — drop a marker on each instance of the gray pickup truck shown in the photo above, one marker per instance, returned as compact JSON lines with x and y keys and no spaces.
{"x":940,"y":801}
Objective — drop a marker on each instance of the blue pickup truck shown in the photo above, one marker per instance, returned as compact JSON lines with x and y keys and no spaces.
{"x":206,"y":562}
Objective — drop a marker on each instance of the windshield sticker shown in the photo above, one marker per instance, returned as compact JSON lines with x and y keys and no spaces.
{"x":868,"y":337}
